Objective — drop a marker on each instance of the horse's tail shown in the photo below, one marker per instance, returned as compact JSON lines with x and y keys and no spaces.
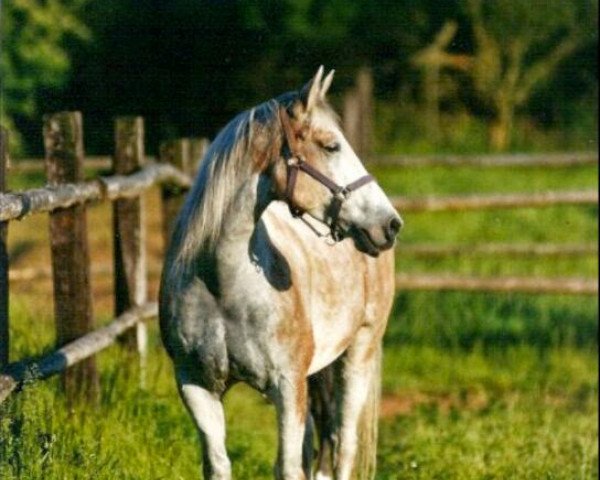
{"x":368,"y":427}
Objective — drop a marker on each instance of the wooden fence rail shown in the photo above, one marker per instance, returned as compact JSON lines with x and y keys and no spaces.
{"x":419,"y":250}
{"x":554,"y":160}
{"x":65,"y":200}
{"x":73,"y":352}
{"x":92,"y":162}
{"x":479,"y":202}
{"x":537,"y":285}
{"x":535,"y":250}
{"x":18,"y":205}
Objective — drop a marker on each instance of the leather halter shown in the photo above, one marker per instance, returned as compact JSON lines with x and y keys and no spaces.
{"x":296,"y":163}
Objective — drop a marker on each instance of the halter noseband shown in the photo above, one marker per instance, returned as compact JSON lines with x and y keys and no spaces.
{"x":295,"y":163}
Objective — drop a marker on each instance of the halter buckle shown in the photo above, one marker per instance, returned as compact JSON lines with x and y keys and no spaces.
{"x":336,"y":234}
{"x":295,"y":211}
{"x":293,"y":161}
{"x":341,"y":194}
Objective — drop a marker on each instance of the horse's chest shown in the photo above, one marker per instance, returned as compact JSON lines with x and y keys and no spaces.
{"x":337,"y":311}
{"x":295,"y":307}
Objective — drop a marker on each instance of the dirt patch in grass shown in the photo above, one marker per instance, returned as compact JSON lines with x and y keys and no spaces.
{"x":393,"y":405}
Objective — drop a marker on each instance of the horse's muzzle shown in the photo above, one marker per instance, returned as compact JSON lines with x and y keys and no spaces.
{"x":392,"y":228}
{"x":378,"y":238}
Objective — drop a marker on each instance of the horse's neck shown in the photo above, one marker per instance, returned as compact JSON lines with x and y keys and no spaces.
{"x":250,"y":200}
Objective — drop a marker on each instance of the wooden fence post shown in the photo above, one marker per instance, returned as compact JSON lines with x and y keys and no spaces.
{"x":4,"y":331}
{"x":176,"y":153}
{"x":63,"y":141}
{"x":358,"y":114}
{"x":129,"y":233}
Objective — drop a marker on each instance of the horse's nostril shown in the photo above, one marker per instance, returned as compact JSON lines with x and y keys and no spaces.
{"x":394,"y":226}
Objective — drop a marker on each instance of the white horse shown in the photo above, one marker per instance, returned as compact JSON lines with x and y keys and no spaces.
{"x":250,"y":293}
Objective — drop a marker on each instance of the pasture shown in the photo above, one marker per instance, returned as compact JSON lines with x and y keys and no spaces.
{"x":475,"y":385}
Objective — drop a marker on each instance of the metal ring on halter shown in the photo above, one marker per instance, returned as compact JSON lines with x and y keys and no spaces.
{"x":342,"y":194}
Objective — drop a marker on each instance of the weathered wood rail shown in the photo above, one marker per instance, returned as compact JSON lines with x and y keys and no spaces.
{"x":417,"y":250}
{"x":495,"y":201}
{"x":524,"y":160}
{"x":67,"y":196}
{"x":535,"y":250}
{"x":536,"y":285}
{"x":65,"y":199}
{"x":18,"y":205}
{"x":73,"y":352}
{"x":15,"y":206}
{"x":552,"y":160}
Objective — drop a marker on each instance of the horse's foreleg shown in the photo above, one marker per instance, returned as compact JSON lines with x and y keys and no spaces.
{"x":207,"y":412}
{"x":358,"y":370}
{"x":290,"y":399}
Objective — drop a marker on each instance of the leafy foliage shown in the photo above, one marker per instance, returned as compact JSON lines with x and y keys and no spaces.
{"x":517,"y":47}
{"x":190,"y":65}
{"x":35,"y":57}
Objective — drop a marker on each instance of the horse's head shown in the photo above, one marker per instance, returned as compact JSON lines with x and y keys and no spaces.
{"x":319,"y":173}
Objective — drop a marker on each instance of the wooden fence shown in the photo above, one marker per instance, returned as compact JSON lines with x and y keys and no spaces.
{"x":67,"y":195}
{"x":65,"y":199}
{"x":522,"y":160}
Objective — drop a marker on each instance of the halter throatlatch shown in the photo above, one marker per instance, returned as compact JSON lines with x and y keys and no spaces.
{"x":296,"y":163}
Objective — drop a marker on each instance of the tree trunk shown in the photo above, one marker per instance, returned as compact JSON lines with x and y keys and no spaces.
{"x":500,"y":130}
{"x":358,"y":113}
{"x":431,"y":91}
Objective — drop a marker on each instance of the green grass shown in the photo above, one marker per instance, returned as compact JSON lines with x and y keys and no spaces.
{"x":515,"y":438}
{"x":555,"y":225}
{"x":510,"y":413}
{"x":476,"y":385}
{"x":472,"y":414}
{"x":446,"y":180}
{"x":455,"y":320}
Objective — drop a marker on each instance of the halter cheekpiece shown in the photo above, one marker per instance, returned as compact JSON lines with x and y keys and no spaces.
{"x":296,"y":163}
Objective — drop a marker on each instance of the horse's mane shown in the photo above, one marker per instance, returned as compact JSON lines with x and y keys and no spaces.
{"x":227,"y":161}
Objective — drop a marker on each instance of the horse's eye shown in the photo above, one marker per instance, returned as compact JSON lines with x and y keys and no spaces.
{"x":332,"y":147}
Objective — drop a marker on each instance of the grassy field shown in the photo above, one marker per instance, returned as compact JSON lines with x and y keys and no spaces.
{"x":476,"y":386}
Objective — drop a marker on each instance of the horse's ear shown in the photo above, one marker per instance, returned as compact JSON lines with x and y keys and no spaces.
{"x":311,"y":92}
{"x":326,"y":84}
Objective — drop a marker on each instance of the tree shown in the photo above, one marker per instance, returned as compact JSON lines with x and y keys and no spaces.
{"x":34,"y":53}
{"x":518,"y":44}
{"x":431,"y":60}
